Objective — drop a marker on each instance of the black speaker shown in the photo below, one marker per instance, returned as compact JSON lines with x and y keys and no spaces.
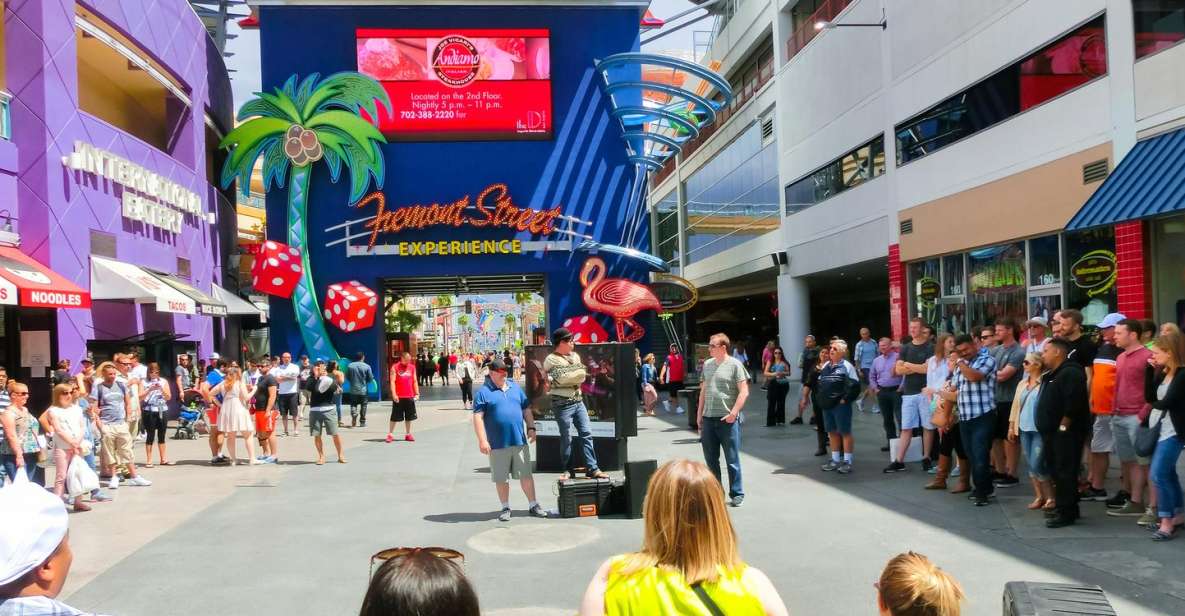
{"x":1044,"y":599}
{"x":637,"y":480}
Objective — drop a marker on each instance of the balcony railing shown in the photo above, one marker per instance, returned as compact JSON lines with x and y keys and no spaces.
{"x":741,"y":96}
{"x":806,"y":31}
{"x":5,"y":117}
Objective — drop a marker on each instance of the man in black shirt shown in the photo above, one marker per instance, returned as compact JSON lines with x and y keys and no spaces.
{"x":263,"y":409}
{"x":1082,"y":349}
{"x":322,"y":387}
{"x":915,"y":409}
{"x":1063,"y":419}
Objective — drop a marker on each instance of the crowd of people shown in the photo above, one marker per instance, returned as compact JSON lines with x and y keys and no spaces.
{"x":980,"y":402}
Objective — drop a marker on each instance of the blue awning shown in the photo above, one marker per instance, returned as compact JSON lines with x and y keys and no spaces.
{"x":1150,"y":181}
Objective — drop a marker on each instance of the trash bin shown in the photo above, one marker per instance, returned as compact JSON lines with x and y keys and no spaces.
{"x":689,"y":400}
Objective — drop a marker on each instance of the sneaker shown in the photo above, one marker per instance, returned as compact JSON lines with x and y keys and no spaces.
{"x":830,"y":466}
{"x":537,"y":511}
{"x":972,"y":496}
{"x":679,"y":410}
{"x":1129,"y":509}
{"x":100,"y":497}
{"x":876,"y":410}
{"x":928,"y":466}
{"x":797,"y":421}
{"x":981,"y":501}
{"x":114,"y":483}
{"x":1092,"y":494}
{"x":894,"y":467}
{"x":505,"y":515}
{"x":1149,"y":519}
{"x":139,"y":481}
{"x":409,"y":438}
{"x":812,"y":421}
{"x":998,"y":476}
{"x":956,"y":471}
{"x":1119,"y":500}
{"x":1007,"y":481}
{"x":737,"y":500}
{"x":845,"y":468}
{"x":390,"y":437}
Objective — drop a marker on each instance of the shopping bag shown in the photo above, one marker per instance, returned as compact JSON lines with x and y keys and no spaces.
{"x":80,"y":479}
{"x":913,"y":454}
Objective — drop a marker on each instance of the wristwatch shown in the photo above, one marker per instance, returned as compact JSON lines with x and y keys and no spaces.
{"x":1062,"y":428}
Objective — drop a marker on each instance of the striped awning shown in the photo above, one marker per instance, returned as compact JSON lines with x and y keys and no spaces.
{"x":1149,"y":182}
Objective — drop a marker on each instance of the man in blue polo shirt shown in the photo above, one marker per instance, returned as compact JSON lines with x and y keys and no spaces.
{"x":499,"y":413}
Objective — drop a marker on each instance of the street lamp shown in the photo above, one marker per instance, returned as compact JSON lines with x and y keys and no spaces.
{"x":830,"y":25}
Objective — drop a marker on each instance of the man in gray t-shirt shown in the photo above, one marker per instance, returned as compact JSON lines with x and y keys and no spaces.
{"x":1009,"y":357}
{"x":360,"y":375}
{"x":722,"y":394}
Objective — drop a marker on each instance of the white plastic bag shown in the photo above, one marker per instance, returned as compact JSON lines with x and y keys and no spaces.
{"x":80,"y":479}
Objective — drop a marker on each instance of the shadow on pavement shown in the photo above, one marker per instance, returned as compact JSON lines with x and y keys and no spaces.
{"x":459,"y":518}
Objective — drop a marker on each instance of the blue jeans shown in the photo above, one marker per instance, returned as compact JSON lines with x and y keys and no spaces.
{"x":1163,"y":473}
{"x":32,"y":471}
{"x":565,"y":416}
{"x":715,"y":433}
{"x":1034,"y":448}
{"x":977,"y":441}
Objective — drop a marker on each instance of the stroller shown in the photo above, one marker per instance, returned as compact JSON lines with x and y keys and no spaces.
{"x":193,"y":411}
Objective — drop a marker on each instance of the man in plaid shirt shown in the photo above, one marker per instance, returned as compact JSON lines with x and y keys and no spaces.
{"x":975,"y":391}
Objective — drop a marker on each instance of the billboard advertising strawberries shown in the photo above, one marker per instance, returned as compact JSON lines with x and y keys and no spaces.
{"x":456,"y":85}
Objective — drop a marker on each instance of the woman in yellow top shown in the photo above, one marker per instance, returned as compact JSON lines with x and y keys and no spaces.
{"x":688,"y":563}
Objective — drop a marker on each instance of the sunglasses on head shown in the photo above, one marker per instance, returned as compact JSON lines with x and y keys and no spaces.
{"x":392,"y":553}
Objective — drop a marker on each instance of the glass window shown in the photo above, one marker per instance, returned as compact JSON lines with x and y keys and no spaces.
{"x":1169,"y":269}
{"x":1044,"y":266}
{"x":997,"y":284}
{"x":1044,"y":306}
{"x":1090,"y":273}
{"x":848,"y":171}
{"x":1160,"y":24}
{"x":952,"y":275}
{"x":666,"y":236}
{"x":924,"y":290}
{"x":1063,"y":65}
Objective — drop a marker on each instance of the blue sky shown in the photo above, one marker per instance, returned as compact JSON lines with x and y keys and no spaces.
{"x":245,"y":62}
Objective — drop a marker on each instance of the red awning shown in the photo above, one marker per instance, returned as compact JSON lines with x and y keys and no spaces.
{"x":25,"y":282}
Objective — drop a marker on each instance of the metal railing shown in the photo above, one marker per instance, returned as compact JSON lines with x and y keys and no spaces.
{"x":806,"y":31}
{"x":5,"y":115}
{"x":741,"y":96}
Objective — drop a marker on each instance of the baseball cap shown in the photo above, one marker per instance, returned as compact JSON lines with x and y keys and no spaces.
{"x":1111,"y":320}
{"x":498,"y":365}
{"x":561,"y":335}
{"x":1037,"y":321}
{"x":215,"y":356}
{"x":34,"y":526}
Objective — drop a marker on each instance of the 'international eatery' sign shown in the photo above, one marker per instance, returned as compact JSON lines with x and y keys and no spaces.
{"x":147,"y":196}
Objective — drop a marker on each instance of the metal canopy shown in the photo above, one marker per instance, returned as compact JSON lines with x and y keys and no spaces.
{"x":462,"y":285}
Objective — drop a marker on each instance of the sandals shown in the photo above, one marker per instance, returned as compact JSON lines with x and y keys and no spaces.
{"x":148,"y":465}
{"x":168,"y":463}
{"x":1050,"y":505}
{"x":1160,"y":535}
{"x":1037,"y":504}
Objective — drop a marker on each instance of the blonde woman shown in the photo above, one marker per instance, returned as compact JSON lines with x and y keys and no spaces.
{"x":1022,"y":424}
{"x":234,"y":418}
{"x":1166,"y":391}
{"x":20,"y":444}
{"x":649,"y":377}
{"x":69,"y":427}
{"x":688,"y":563}
{"x":911,"y":585}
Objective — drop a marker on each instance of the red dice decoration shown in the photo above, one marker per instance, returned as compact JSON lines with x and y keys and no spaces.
{"x":350,"y":305}
{"x":277,"y":269}
{"x":586,"y":330}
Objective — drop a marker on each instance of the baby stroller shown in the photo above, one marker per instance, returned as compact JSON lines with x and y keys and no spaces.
{"x":193,"y":409}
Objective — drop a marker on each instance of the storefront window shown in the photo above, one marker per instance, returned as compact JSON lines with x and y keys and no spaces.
{"x":924,"y":290}
{"x":952,"y":275}
{"x":1044,"y":269}
{"x":954,"y":317}
{"x":1091,"y":273}
{"x":1160,"y":24}
{"x":997,"y":284}
{"x":1044,"y":306}
{"x":1168,"y":268}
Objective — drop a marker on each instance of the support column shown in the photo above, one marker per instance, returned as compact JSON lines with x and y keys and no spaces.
{"x":794,"y":317}
{"x":898,"y":294}
{"x":1131,"y":281}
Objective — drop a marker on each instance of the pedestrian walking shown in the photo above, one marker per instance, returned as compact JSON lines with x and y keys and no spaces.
{"x":288,"y":380}
{"x":154,"y":402}
{"x":689,"y":561}
{"x":323,"y":387}
{"x":110,"y":402}
{"x":466,"y":375}
{"x":234,"y":418}
{"x":565,"y":375}
{"x":405,"y":390}
{"x":723,"y":392}
{"x":740,"y":354}
{"x":839,"y":386}
{"x":648,"y":379}
{"x":1166,"y":390}
{"x":442,"y":367}
{"x":1022,"y":426}
{"x":674,"y":370}
{"x":1063,"y":419}
{"x":264,"y":413}
{"x":214,"y":377}
{"x":500,"y":412}
{"x":974,"y":383}
{"x":359,"y":374}
{"x":885,"y":385}
{"x":915,"y":413}
{"x":777,"y":380}
{"x":867,"y":350}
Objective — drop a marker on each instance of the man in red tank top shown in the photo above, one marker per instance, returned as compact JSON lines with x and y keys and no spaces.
{"x":405,"y":390}
{"x":673,"y":371}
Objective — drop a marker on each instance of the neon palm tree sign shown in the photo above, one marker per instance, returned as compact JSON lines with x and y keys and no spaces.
{"x":292,"y":129}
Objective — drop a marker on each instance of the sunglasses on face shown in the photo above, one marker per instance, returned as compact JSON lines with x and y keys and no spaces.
{"x":391,"y":553}
{"x":19,"y":393}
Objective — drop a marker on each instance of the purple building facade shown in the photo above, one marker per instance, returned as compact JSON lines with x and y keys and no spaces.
{"x":64,"y":215}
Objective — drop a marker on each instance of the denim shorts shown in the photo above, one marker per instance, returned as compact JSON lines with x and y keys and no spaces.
{"x":838,"y":419}
{"x":1034,"y":450}
{"x":915,"y":412}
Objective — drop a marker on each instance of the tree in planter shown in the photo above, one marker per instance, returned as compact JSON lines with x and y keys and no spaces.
{"x":400,"y":319}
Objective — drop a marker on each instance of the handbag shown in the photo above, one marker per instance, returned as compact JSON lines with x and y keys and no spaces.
{"x":1148,"y":436}
{"x":944,"y":415}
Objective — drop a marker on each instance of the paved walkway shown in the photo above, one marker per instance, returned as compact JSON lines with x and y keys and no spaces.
{"x":296,"y":538}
